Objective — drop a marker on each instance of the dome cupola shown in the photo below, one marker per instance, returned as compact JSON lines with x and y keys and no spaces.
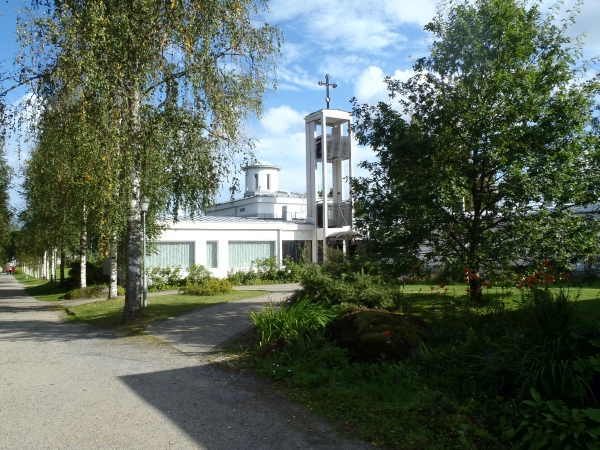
{"x":262,"y":177}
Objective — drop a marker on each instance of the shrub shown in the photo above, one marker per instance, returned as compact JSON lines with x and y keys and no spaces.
{"x":164,"y":279}
{"x":94,"y":273}
{"x":88,"y":292}
{"x":244,"y":278}
{"x":292,"y":271}
{"x":265,"y":271}
{"x":266,"y":268}
{"x":359,"y":289}
{"x":208,"y":286}
{"x":552,"y":425}
{"x":197,"y":274}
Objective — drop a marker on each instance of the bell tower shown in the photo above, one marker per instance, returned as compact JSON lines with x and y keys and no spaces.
{"x":328,"y":195}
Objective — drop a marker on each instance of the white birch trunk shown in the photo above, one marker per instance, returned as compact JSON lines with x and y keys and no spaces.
{"x":45,"y":266}
{"x":133,"y":259}
{"x":112,"y":287}
{"x":52,"y":266}
{"x":83,"y":254}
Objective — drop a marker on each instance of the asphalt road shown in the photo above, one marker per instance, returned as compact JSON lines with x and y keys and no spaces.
{"x":75,"y":387}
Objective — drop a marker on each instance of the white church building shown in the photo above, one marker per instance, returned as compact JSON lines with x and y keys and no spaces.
{"x":267,"y":221}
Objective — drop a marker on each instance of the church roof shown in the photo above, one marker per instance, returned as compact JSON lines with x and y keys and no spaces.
{"x":232,"y":219}
{"x":261,"y":164}
{"x":284,"y":194}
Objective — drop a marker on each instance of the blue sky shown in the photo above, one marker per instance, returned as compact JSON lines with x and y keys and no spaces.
{"x":357,"y":42}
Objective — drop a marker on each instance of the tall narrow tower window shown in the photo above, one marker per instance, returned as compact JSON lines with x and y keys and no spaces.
{"x":268,"y":182}
{"x":255,"y":181}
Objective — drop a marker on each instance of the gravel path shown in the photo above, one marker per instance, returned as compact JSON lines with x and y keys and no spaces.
{"x":204,"y":331}
{"x":76,"y":387}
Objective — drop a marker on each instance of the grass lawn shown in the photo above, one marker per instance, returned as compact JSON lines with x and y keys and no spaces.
{"x":109,"y":313}
{"x":44,"y":290}
{"x":423,"y":300}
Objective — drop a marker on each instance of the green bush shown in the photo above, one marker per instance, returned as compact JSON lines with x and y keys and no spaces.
{"x":354,"y":288}
{"x":164,"y":279}
{"x":552,"y":425}
{"x":208,"y":286}
{"x":266,"y":271}
{"x":510,"y":348}
{"x":197,"y":274}
{"x":94,"y":273}
{"x":88,"y":292}
{"x":289,"y":323}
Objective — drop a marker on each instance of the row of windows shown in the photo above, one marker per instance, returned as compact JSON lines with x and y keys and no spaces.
{"x":181,"y":254}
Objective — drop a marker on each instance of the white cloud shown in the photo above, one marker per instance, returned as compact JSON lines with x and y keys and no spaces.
{"x":368,"y":25}
{"x":345,"y":67}
{"x":295,"y":78}
{"x":292,"y":52}
{"x":370,"y":87}
{"x":280,"y":121}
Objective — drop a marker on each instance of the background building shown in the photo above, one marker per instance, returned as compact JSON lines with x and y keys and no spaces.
{"x":268,"y":222}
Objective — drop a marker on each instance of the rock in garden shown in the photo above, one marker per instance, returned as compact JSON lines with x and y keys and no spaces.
{"x":375,"y":335}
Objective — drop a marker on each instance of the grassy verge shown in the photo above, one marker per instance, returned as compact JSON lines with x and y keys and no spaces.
{"x":44,"y":290}
{"x":109,"y":313}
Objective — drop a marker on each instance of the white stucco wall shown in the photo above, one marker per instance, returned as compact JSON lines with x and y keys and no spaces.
{"x":261,"y":206}
{"x":223,"y":232}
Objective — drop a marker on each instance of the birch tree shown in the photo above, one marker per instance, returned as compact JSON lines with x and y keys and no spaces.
{"x":173,"y":83}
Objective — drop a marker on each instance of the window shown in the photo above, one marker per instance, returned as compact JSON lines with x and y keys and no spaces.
{"x":255,"y":181}
{"x":212,"y":255}
{"x":242,"y":209}
{"x":268,"y":181}
{"x":171,"y":254}
{"x":243,"y":253}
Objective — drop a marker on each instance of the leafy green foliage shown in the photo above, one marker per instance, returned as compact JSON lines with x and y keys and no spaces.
{"x":6,"y":213}
{"x":198,"y":273}
{"x":94,"y":273}
{"x":208,"y":286}
{"x":163,"y":101}
{"x":265,"y":271}
{"x":476,"y":361}
{"x":325,"y":284}
{"x":488,"y":168}
{"x":552,"y":425}
{"x":387,"y":404}
{"x":379,"y":335}
{"x":164,"y":279}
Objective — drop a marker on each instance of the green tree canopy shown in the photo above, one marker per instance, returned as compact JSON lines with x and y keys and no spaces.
{"x":6,"y":213}
{"x":491,"y":151}
{"x":166,"y":85}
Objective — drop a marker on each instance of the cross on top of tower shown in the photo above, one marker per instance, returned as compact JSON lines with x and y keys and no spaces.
{"x":327,"y":84}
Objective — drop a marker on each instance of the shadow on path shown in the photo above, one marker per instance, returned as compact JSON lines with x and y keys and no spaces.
{"x":231,"y":411}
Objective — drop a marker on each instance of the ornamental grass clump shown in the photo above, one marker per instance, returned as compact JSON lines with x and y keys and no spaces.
{"x":290,"y":323}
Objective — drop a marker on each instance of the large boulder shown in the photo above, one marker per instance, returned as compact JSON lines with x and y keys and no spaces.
{"x":375,"y":335}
